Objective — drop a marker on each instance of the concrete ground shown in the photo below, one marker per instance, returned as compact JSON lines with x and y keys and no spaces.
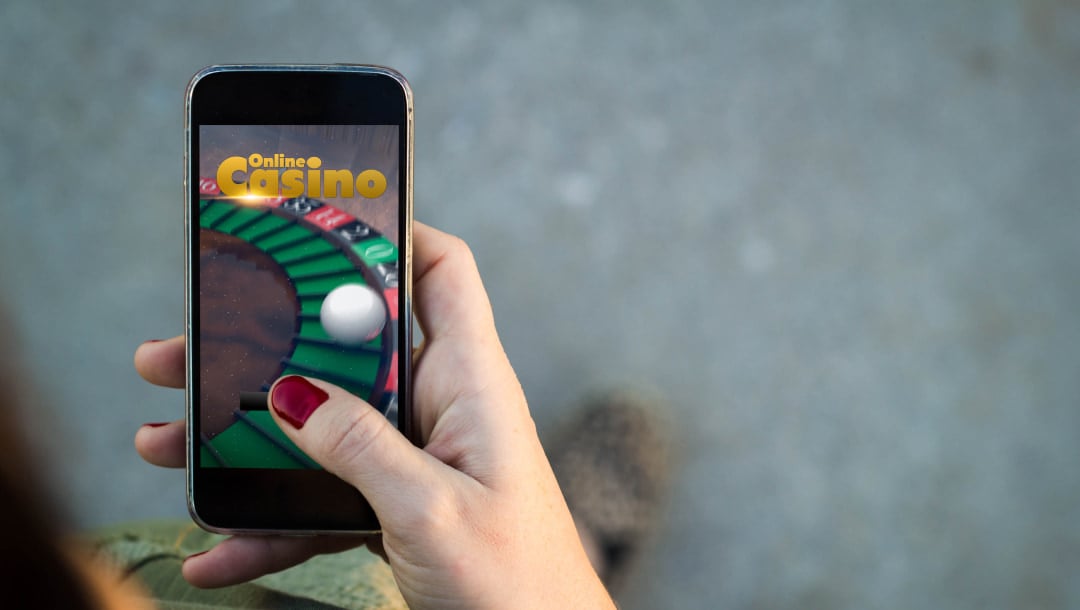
{"x":840,"y":238}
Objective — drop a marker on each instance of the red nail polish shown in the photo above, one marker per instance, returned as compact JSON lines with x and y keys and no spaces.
{"x":295,"y":399}
{"x":153,"y":341}
{"x":157,"y":424}
{"x":196,"y":555}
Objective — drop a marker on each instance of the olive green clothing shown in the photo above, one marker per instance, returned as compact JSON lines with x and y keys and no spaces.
{"x":153,"y":552}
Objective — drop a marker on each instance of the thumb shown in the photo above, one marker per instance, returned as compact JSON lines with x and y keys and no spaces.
{"x":351,"y":439}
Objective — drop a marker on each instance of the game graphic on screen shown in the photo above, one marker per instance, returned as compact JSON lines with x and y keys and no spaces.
{"x":298,"y":274}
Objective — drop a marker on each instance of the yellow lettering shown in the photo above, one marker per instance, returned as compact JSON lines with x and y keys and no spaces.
{"x":270,"y":178}
{"x":314,"y":184}
{"x":371,"y":183}
{"x":264,"y":183}
{"x":225,"y":177}
{"x":292,"y":182}
{"x":336,"y":178}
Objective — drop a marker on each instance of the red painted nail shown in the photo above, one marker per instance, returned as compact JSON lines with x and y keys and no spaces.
{"x":153,"y":341}
{"x":295,"y":399}
{"x":157,"y":424}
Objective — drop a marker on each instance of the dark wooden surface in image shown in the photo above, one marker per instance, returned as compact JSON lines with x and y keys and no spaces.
{"x":248,"y":318}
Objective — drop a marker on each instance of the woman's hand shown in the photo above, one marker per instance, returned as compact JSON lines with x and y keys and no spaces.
{"x":474,"y":518}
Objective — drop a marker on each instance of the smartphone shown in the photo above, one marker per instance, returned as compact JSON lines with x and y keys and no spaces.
{"x":298,"y":218}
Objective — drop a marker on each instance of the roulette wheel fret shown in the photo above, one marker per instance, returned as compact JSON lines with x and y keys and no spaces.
{"x":325,"y":265}
{"x":324,"y":284}
{"x":315,"y":250}
{"x":209,"y":448}
{"x":289,"y":233}
{"x":310,"y":309}
{"x":285,"y":224}
{"x":213,"y":210}
{"x":263,"y":225}
{"x":263,"y":431}
{"x":312,"y":328}
{"x":239,"y":216}
{"x":263,"y":445}
{"x":310,"y":258}
{"x":339,"y":379}
{"x":312,"y":295}
{"x":221,"y":219}
{"x":289,"y":244}
{"x":331,"y":343}
{"x":329,"y":359}
{"x":315,"y":275}
{"x":250,"y":222}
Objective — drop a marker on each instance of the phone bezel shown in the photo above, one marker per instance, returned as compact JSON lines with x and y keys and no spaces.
{"x":270,"y":501}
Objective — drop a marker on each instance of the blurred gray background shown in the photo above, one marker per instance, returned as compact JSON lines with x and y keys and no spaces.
{"x":840,"y":238}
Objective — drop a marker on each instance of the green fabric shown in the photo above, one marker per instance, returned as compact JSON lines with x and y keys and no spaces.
{"x":152,"y":552}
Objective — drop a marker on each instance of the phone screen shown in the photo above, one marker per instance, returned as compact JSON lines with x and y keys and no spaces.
{"x":298,"y":224}
{"x":298,"y":274}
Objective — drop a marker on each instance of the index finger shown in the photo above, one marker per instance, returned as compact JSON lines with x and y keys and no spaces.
{"x":449,"y":295}
{"x":162,"y":362}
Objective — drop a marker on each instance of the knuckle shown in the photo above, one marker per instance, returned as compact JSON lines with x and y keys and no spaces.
{"x":459,"y":248}
{"x":434,"y":512}
{"x":352,"y":434}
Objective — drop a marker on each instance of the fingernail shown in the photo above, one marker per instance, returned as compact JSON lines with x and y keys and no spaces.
{"x":153,"y":341}
{"x":295,"y":399}
{"x":156,"y":424}
{"x":196,"y":555}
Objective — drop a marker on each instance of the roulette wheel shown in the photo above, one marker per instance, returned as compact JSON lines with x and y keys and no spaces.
{"x":267,"y":267}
